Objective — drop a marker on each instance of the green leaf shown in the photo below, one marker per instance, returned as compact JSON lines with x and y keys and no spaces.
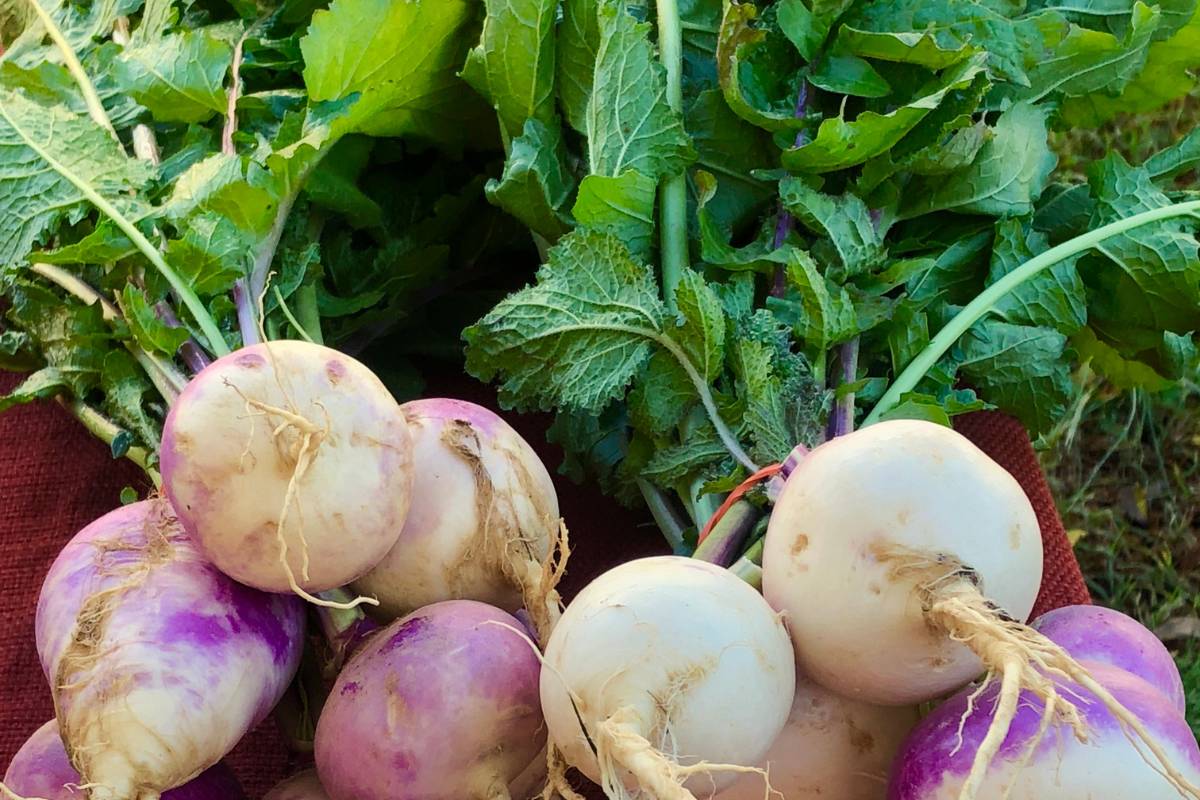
{"x":844,"y":220}
{"x":125,"y":387}
{"x":44,"y":384}
{"x":16,"y":352}
{"x":630,"y":125}
{"x":106,"y":243}
{"x":1181,"y":156}
{"x":662,"y":395}
{"x":70,"y":336}
{"x":622,"y":206}
{"x":766,"y":408}
{"x":905,"y":47}
{"x":225,"y":185}
{"x":1005,"y":179}
{"x":179,"y":77}
{"x":1114,"y":16}
{"x":671,"y":465}
{"x":806,"y":27}
{"x":1023,"y":370}
{"x":754,"y":65}
{"x":730,"y":149}
{"x":1087,"y":61}
{"x":35,"y":196}
{"x":939,"y":409}
{"x":211,"y":254}
{"x":1166,"y":76}
{"x":333,"y":183}
{"x":404,"y":67}
{"x":702,"y":324}
{"x":536,"y":183}
{"x":150,"y":332}
{"x":1055,"y":298}
{"x":907,"y":335}
{"x":579,"y":336}
{"x":828,"y":313}
{"x":849,"y":74}
{"x":1149,"y":276}
{"x":578,"y":41}
{"x":516,"y":51}
{"x":1121,"y":372}
{"x":840,"y":143}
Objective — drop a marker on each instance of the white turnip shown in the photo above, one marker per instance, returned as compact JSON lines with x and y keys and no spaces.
{"x":41,"y":769}
{"x":1039,"y":759}
{"x":301,"y":786}
{"x":440,"y":705}
{"x":905,"y":561}
{"x":483,"y":518}
{"x":158,"y":662}
{"x":831,"y":748}
{"x":679,"y":673}
{"x":290,"y":464}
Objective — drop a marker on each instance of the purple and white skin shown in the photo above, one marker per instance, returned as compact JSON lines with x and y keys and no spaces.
{"x":934,"y":762}
{"x":290,"y":464}
{"x":1101,"y":634}
{"x":41,"y":769}
{"x":442,"y":705}
{"x":483,"y":518}
{"x":158,"y":662}
{"x":301,"y":786}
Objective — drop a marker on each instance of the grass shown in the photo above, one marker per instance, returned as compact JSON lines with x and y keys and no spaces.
{"x":1125,"y":466}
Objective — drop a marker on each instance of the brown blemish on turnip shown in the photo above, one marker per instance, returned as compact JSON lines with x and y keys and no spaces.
{"x":800,"y":545}
{"x":902,"y":516}
{"x":862,"y":741}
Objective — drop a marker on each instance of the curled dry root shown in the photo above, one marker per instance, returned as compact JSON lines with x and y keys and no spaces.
{"x":1020,"y":659}
{"x":303,"y":451}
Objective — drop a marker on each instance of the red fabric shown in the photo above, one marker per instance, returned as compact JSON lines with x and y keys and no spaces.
{"x":54,"y":479}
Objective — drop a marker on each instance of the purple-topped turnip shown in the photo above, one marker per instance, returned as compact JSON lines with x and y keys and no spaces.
{"x":483,"y":519}
{"x":1101,"y":634}
{"x":290,"y":464}
{"x":1040,"y":759}
{"x":41,"y":769}
{"x":906,"y":562}
{"x":158,"y":662}
{"x":442,"y":704}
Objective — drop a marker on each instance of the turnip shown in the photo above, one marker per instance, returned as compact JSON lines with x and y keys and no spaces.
{"x":831,"y":749}
{"x":1101,"y":634}
{"x":301,"y":786}
{"x":904,"y":560}
{"x":1040,"y":760}
{"x":482,"y":522}
{"x":41,"y":769}
{"x":442,"y":703}
{"x":290,"y":464}
{"x":158,"y":662}
{"x":669,"y":676}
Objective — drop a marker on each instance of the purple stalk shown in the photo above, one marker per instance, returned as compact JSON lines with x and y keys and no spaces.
{"x":841,"y":421}
{"x":245,"y":313}
{"x":785,"y":221}
{"x":190,"y":351}
{"x":724,"y":542}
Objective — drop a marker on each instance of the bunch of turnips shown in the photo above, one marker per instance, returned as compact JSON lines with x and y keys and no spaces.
{"x":898,"y":569}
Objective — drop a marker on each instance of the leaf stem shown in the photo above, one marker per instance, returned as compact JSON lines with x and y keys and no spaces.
{"x":665,"y":515}
{"x":145,"y":144}
{"x":673,"y":194}
{"x":235,"y":91}
{"x":983,"y":303}
{"x":725,"y":540}
{"x":307,"y":312}
{"x":107,"y":431}
{"x":90,"y":97}
{"x":785,"y":221}
{"x":841,"y":421}
{"x":287,"y":313}
{"x":216,"y":344}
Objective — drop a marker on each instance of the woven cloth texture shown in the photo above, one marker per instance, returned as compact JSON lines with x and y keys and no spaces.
{"x":55,"y":479}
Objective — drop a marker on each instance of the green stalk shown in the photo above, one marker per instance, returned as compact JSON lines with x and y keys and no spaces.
{"x":215,"y":344}
{"x":673,"y":194}
{"x":287,"y":313}
{"x":664,"y":516}
{"x":107,"y":431}
{"x":983,"y":303}
{"x":307,"y":313}
{"x":90,"y":97}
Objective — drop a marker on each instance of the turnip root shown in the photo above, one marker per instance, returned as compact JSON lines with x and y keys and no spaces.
{"x":679,"y":673}
{"x":831,"y":749}
{"x":905,"y":561}
{"x":41,"y":769}
{"x":442,"y":703}
{"x":301,"y":786}
{"x":482,"y":522}
{"x":1037,"y":762}
{"x":290,"y":464}
{"x":1101,"y":634}
{"x":158,"y":662}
